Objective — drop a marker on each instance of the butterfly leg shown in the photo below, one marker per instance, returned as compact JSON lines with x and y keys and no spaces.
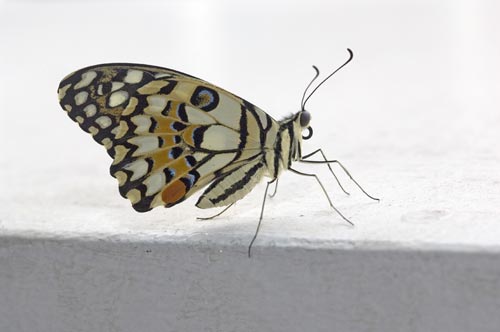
{"x":215,"y":215}
{"x":329,"y":167}
{"x":324,"y":191}
{"x":260,"y":219}
{"x":275,"y":189}
{"x":328,"y":162}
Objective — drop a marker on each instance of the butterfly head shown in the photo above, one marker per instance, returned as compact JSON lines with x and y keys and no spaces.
{"x":304,"y":118}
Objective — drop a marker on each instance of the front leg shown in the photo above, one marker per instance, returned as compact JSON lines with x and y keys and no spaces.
{"x":329,"y":167}
{"x":275,"y":189}
{"x":324,"y":191}
{"x":328,"y":162}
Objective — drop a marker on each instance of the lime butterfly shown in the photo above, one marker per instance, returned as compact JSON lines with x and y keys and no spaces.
{"x":171,"y":134}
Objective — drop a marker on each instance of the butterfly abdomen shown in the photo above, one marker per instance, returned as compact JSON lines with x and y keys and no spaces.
{"x":232,"y":186}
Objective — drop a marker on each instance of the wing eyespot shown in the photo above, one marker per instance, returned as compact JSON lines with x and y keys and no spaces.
{"x":205,"y":98}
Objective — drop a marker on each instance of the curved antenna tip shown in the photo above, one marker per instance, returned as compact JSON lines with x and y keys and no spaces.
{"x":351,"y":54}
{"x":304,"y":99}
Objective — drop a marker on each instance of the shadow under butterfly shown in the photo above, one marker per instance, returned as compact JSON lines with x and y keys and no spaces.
{"x":171,"y":134}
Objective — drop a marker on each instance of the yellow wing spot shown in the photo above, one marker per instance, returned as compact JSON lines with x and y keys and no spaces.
{"x":116,"y":85}
{"x":121,"y":129}
{"x":196,"y":116}
{"x":156,"y":104}
{"x":103,"y":121}
{"x":152,"y":87}
{"x":139,"y":168}
{"x":117,"y":98}
{"x":142,"y":122}
{"x":145,"y":144}
{"x":121,"y":177}
{"x":93,"y":130}
{"x":132,"y":103}
{"x":99,"y":90}
{"x":120,"y":153}
{"x":133,"y":76}
{"x":161,"y":75}
{"x":187,"y":135}
{"x":134,"y":196}
{"x":218,"y":138}
{"x":154,"y":183}
{"x":62,"y":91}
{"x":79,"y":119}
{"x":90,"y":110}
{"x":81,"y":97}
{"x":107,"y":143}
{"x":87,"y":78}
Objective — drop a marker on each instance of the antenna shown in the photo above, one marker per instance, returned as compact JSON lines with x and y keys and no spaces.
{"x":302,"y":104}
{"x":351,"y":55}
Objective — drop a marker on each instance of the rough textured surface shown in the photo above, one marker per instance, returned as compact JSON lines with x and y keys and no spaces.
{"x":415,"y":119}
{"x":163,"y":286}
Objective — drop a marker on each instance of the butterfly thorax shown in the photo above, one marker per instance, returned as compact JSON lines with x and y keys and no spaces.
{"x":286,"y":147}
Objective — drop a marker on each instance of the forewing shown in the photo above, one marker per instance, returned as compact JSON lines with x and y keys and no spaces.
{"x":169,"y":133}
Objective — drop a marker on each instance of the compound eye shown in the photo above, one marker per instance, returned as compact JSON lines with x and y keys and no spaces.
{"x":305,"y":118}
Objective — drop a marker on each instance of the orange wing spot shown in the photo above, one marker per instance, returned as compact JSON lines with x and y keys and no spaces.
{"x":187,"y":135}
{"x":173,"y":192}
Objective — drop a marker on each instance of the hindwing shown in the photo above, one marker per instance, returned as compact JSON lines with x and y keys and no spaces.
{"x":169,"y":133}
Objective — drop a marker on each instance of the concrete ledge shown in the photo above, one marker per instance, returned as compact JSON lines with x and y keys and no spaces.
{"x":116,"y":285}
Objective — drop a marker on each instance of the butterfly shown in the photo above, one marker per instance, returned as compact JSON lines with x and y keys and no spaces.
{"x":171,"y":134}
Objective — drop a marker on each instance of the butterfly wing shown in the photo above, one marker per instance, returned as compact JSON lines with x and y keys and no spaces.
{"x":169,"y":133}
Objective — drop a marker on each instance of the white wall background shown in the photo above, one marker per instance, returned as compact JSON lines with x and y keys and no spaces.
{"x":415,"y":117}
